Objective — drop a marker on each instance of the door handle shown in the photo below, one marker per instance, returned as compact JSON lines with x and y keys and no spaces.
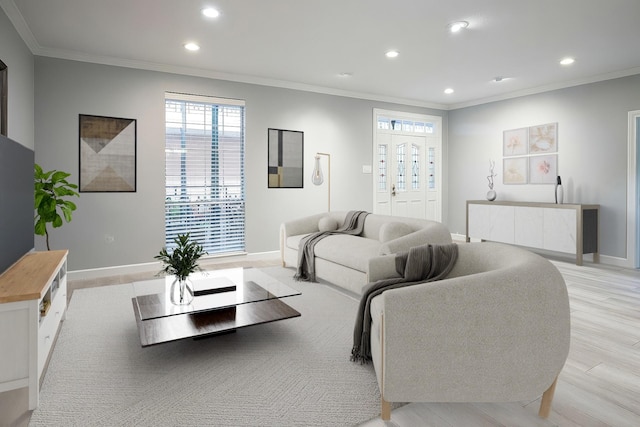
{"x":393,"y":190}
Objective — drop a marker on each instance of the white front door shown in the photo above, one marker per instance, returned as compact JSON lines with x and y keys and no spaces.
{"x":407,"y":157}
{"x":408,"y":183}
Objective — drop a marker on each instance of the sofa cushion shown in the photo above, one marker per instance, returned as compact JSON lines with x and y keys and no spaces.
{"x":349,"y":251}
{"x":393,"y":230}
{"x":326,"y":223}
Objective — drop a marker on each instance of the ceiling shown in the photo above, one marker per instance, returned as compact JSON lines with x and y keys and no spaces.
{"x":306,"y":44}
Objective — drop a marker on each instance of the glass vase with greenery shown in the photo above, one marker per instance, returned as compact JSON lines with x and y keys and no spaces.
{"x":180,"y":263}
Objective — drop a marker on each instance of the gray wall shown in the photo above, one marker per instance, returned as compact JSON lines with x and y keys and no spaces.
{"x":592,"y":151}
{"x":592,"y":125}
{"x":19,"y":60}
{"x":337,"y":125}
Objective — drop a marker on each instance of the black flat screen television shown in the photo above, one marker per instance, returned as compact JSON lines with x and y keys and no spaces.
{"x":16,"y":202}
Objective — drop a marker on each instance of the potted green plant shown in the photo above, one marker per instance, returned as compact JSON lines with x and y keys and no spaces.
{"x":180,"y":263}
{"x":50,"y":190}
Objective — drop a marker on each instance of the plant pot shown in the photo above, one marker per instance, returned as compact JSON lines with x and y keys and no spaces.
{"x":181,"y":291}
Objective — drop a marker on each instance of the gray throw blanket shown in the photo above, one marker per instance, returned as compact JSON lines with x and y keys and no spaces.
{"x":353,"y":224}
{"x":425,"y":263}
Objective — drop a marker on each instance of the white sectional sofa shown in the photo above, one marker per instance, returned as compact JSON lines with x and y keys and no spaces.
{"x":345,"y":260}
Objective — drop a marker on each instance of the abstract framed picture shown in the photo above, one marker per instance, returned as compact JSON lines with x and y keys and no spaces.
{"x":514,"y":170}
{"x":107,"y":154}
{"x":543,"y":138}
{"x":285,"y":163}
{"x":543,"y":169}
{"x":515,"y":142}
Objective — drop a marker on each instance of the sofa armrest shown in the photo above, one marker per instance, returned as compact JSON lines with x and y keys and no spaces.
{"x":308,"y":224}
{"x":435,"y":234}
{"x":299,"y":226}
{"x":382,"y":267}
{"x":483,"y":337}
{"x":296,"y":227}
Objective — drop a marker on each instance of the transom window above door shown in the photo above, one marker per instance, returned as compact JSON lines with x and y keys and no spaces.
{"x":405,"y":125}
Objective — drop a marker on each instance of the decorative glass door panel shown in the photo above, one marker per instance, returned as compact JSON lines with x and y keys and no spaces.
{"x":382,"y":167}
{"x":408,"y":197}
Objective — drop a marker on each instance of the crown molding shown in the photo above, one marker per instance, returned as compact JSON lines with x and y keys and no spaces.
{"x":240,"y":78}
{"x":14,"y":15}
{"x":16,"y":18}
{"x":262,"y":81}
{"x":547,"y":88}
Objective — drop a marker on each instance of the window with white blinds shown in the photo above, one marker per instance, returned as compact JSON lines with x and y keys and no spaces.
{"x":204,"y":172}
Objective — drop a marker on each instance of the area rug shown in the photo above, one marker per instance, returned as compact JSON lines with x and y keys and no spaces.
{"x":294,"y":372}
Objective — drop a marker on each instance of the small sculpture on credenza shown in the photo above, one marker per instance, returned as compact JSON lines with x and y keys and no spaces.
{"x":491,"y":194}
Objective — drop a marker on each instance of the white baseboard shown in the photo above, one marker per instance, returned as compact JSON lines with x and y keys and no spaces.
{"x":96,"y":273}
{"x":606,"y":260}
{"x":617,"y":262}
{"x":458,"y":237}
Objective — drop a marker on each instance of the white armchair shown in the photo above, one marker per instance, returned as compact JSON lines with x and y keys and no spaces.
{"x":496,"y":330}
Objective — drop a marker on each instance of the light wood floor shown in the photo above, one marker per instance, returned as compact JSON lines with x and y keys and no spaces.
{"x":599,"y":386}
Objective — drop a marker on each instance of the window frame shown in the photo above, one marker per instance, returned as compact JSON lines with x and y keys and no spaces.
{"x":205,"y":182}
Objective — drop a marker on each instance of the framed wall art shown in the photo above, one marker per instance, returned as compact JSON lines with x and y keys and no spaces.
{"x":515,"y":142}
{"x":543,"y":138}
{"x":107,"y":154}
{"x":514,"y":170}
{"x":543,"y":169}
{"x":285,"y":158}
{"x":530,"y":154}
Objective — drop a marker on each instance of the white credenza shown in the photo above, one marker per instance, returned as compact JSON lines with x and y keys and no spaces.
{"x":566,"y":228}
{"x":33,"y":300}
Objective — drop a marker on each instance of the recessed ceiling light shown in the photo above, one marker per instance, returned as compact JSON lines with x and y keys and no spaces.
{"x":448,"y":91}
{"x":454,"y":27}
{"x":345,"y":75}
{"x":392,"y":54}
{"x":567,"y":61}
{"x":499,"y":79}
{"x":191,"y":46}
{"x":210,"y":12}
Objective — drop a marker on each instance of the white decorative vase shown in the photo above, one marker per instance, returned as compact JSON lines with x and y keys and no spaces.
{"x":491,"y":195}
{"x":181,"y":291}
{"x":559,"y":191}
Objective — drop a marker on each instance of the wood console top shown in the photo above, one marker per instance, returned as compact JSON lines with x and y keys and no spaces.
{"x":535,"y":204}
{"x":27,"y":279}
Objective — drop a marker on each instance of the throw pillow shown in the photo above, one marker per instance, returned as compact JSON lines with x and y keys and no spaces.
{"x":393,"y":230}
{"x":327,"y":223}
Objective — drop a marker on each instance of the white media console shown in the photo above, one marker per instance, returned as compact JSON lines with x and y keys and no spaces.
{"x":33,"y":300}
{"x":566,"y":228}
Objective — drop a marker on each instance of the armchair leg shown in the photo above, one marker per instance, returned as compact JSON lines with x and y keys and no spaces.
{"x":547,"y":397}
{"x":385,"y":412}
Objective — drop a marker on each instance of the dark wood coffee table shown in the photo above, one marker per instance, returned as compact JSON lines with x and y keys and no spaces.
{"x":257,"y":299}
